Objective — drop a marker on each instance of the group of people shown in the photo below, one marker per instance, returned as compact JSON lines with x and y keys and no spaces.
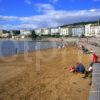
{"x":85,"y":50}
{"x":80,"y":68}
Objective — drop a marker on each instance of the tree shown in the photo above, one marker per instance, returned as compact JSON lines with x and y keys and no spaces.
{"x":16,"y":32}
{"x":34,"y":35}
{"x":57,"y":35}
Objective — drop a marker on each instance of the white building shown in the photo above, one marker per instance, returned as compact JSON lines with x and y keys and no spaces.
{"x":64,"y":31}
{"x":43,"y":31}
{"x":1,"y":32}
{"x":97,"y":31}
{"x":46,"y":31}
{"x":25,"y":32}
{"x":38,"y":32}
{"x":78,"y":30}
{"x":92,"y":30}
{"x":89,"y":30}
{"x":22,"y":36}
{"x":55,"y":31}
{"x":4,"y":33}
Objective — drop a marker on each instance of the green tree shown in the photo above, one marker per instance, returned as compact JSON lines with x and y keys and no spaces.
{"x":34,"y":35}
{"x":16,"y":32}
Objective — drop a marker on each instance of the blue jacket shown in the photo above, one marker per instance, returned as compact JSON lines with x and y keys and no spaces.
{"x":80,"y":68}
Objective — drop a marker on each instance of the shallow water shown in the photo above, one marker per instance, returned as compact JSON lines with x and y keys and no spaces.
{"x":11,"y":47}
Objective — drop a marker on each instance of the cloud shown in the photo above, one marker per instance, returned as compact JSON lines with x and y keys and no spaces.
{"x":44,"y":7}
{"x":20,"y":26}
{"x":28,"y":2}
{"x":50,"y":18}
{"x":8,"y":18}
{"x":25,"y":26}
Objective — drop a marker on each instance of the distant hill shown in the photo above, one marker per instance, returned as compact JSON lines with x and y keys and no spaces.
{"x":82,"y":23}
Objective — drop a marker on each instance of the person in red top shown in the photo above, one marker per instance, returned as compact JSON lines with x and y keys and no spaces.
{"x":95,"y":58}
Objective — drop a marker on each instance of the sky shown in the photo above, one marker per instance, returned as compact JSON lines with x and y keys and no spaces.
{"x":35,"y":14}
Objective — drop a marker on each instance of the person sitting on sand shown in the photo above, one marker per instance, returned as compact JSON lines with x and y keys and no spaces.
{"x":89,"y":71}
{"x":80,"y":68}
{"x":85,"y":50}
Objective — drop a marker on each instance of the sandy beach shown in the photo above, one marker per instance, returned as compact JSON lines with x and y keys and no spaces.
{"x":43,"y":75}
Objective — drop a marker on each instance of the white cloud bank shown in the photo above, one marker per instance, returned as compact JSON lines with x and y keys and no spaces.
{"x":49,"y":18}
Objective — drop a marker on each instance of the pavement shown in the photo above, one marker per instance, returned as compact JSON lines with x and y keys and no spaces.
{"x":94,"y":93}
{"x":94,"y":44}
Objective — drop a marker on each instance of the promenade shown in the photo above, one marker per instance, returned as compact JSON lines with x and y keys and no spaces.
{"x":94,"y":93}
{"x":95,"y":87}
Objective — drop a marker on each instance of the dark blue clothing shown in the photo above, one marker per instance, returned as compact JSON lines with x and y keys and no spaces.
{"x":80,"y":68}
{"x":85,"y":50}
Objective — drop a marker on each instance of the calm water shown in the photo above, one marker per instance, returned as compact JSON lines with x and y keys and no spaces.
{"x":10,"y":47}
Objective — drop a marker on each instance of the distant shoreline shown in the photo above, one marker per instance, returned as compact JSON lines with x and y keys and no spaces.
{"x":41,"y":40}
{"x":13,"y":47}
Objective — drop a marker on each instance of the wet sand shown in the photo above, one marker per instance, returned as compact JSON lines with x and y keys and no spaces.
{"x":43,"y":75}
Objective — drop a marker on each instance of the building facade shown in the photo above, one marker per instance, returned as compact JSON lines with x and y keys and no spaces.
{"x":38,"y":32}
{"x":97,"y":31}
{"x":78,"y":30}
{"x":25,"y":32}
{"x":45,"y":31}
{"x":1,"y":32}
{"x":89,"y":30}
{"x":55,"y":31}
{"x":92,"y":30}
{"x":64,"y":31}
{"x":4,"y":33}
